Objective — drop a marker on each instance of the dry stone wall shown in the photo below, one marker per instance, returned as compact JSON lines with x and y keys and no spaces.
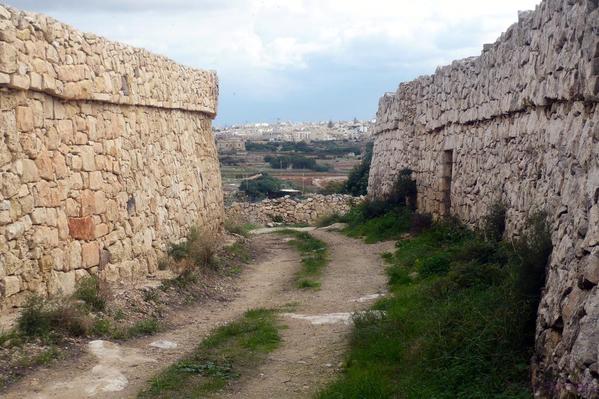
{"x":106,"y":156}
{"x":519,"y":124}
{"x":291,"y":211}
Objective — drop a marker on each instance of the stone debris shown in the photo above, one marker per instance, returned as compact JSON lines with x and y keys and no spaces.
{"x":519,"y":124}
{"x":106,"y":157}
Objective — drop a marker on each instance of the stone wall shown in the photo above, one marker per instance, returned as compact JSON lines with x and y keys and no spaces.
{"x":106,"y":156}
{"x":519,"y":124}
{"x":291,"y":211}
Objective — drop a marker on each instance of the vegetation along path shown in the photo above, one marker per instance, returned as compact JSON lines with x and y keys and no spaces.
{"x":313,"y":344}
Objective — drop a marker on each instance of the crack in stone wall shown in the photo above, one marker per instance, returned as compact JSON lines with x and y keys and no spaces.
{"x":106,"y":156}
{"x":522,"y":121}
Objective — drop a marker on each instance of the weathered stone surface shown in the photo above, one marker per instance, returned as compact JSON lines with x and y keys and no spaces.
{"x":517,"y":124}
{"x":82,"y":156}
{"x":10,"y":285}
{"x":82,"y":228}
{"x":90,"y":254}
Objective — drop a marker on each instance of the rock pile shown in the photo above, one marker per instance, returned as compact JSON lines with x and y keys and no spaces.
{"x":291,"y":211}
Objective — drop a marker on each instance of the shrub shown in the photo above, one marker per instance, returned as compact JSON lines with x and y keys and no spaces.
{"x":493,"y":226}
{"x":436,"y":265}
{"x":420,"y":222}
{"x":92,"y":292}
{"x":328,"y":220}
{"x":235,"y":227}
{"x":333,"y":187}
{"x":357,"y":181}
{"x":404,"y":190}
{"x":260,"y":188}
{"x":199,"y":250}
{"x":44,"y":319}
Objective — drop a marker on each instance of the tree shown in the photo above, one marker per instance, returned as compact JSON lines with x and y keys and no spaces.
{"x":260,"y":188}
{"x":330,"y":125}
{"x":357,"y":182}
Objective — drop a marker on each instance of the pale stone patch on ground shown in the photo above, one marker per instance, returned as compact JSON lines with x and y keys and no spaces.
{"x":164,"y":344}
{"x":368,"y":298}
{"x":327,"y":318}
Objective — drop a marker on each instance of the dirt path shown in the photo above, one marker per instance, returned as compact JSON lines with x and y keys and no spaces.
{"x":316,"y":338}
{"x":311,"y":350}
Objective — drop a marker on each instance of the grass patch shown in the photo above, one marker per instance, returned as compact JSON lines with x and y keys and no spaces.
{"x":242,"y":229}
{"x":239,"y":251}
{"x":314,"y":255}
{"x":196,"y":251}
{"x":328,"y":220}
{"x":223,"y":356}
{"x":105,"y":328}
{"x":459,"y":322}
{"x":390,"y":225}
{"x":51,"y":320}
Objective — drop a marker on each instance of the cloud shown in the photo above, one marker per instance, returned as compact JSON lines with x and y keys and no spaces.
{"x":297,"y":55}
{"x":120,"y":6}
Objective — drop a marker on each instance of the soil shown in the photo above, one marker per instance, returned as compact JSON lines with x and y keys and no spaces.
{"x":311,"y":352}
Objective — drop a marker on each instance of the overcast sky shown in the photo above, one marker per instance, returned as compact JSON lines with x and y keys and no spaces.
{"x":297,"y":59}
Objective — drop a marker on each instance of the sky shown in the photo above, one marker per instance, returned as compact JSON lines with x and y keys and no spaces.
{"x":297,"y":60}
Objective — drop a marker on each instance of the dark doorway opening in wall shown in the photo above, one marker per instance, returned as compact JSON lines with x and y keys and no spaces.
{"x":446,"y":174}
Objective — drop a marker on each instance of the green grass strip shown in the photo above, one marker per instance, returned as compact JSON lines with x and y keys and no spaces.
{"x":226,"y":354}
{"x":314,"y":255}
{"x":459,"y":322}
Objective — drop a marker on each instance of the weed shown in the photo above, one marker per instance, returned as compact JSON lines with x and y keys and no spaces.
{"x":51,"y":319}
{"x":307,"y":283}
{"x":493,"y":226}
{"x":198,"y":249}
{"x":389,"y":225}
{"x":143,"y":327}
{"x":230,"y":351}
{"x":102,"y":328}
{"x":119,"y":315}
{"x":328,"y":220}
{"x":43,"y":358}
{"x":183,"y":281}
{"x":151,"y":295}
{"x":163,"y":264}
{"x":93,"y":293}
{"x":240,"y":251}
{"x":241,"y":229}
{"x":314,"y":257}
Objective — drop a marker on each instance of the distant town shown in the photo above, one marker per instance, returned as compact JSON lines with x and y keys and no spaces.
{"x":233,"y":138}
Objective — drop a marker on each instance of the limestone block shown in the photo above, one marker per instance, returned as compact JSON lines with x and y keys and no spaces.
{"x":24,"y":117}
{"x":8,"y":58}
{"x":9,"y":286}
{"x":74,"y":255}
{"x":90,"y":254}
{"x":62,"y":283}
{"x":81,"y":228}
{"x":45,"y":166}
{"x":96,"y":182}
{"x":17,"y":229}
